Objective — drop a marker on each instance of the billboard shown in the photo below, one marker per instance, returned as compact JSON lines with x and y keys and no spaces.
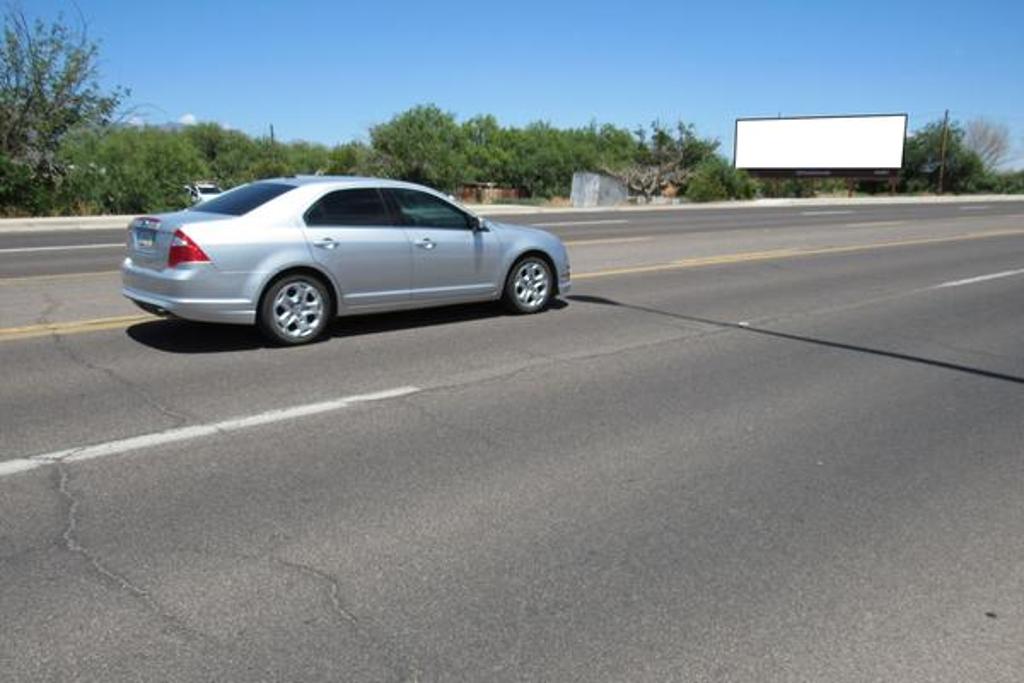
{"x":851,"y":146}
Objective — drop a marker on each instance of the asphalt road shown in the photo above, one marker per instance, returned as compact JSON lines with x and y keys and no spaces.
{"x":718,"y":460}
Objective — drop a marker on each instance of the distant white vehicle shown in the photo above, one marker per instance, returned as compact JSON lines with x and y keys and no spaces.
{"x":201,"y":190}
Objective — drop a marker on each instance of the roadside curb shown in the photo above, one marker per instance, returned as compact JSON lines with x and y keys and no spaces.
{"x":500,"y":209}
{"x":63,"y":223}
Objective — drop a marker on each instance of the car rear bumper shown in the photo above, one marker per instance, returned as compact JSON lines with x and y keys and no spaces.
{"x":184,"y":294}
{"x":235,"y":311}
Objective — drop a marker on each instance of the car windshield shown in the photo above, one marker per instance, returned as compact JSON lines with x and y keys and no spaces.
{"x":242,"y":200}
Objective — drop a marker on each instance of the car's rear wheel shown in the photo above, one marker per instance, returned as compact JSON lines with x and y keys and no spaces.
{"x":529,"y":286}
{"x":295,"y":309}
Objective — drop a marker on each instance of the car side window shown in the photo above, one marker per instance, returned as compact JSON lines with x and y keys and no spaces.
{"x":363,"y":206}
{"x":425,"y":210}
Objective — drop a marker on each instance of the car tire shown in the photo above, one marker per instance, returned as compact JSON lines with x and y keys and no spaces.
{"x":529,"y":285}
{"x":295,"y":309}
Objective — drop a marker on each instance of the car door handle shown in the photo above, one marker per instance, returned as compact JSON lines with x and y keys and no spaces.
{"x":326,"y":243}
{"x":426,"y":243}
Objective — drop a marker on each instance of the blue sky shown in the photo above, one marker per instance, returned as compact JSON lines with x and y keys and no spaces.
{"x":326,"y":71}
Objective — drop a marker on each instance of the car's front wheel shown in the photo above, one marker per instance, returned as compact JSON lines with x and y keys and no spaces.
{"x":295,"y":309}
{"x":529,"y":286}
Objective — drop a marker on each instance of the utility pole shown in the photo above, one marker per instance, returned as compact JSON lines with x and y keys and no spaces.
{"x":942,"y":151}
{"x":271,"y":135}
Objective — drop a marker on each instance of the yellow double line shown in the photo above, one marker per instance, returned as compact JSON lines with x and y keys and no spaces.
{"x":72,"y":327}
{"x":14,"y":281}
{"x":774,"y":254}
{"x":98,"y":324}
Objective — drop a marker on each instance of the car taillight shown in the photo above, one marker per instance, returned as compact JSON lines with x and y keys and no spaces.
{"x":184,"y":250}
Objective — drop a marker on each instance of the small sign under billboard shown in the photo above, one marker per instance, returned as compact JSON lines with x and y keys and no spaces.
{"x":844,"y":146}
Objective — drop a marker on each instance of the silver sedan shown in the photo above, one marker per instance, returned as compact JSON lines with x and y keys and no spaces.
{"x":290,"y":254}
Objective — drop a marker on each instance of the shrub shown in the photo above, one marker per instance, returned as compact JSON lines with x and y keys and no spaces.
{"x":19,"y":194}
{"x":1009,"y":183}
{"x":715,"y":179}
{"x":128,"y":170}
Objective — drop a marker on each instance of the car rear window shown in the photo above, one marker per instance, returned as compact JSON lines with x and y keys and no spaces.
{"x":242,"y":200}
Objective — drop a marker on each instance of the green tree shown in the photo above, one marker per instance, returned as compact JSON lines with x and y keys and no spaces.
{"x":488,"y":152}
{"x":347,"y":159}
{"x":964,"y":170}
{"x":267,"y":167}
{"x":48,"y":87}
{"x":306,"y":158}
{"x":128,"y":170}
{"x":228,"y":154}
{"x":422,"y":145}
{"x":542,"y":160}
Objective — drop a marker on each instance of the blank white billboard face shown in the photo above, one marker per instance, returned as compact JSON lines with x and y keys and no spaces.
{"x":835,"y":142}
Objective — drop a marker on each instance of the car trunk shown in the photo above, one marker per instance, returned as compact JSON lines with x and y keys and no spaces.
{"x":149,"y":237}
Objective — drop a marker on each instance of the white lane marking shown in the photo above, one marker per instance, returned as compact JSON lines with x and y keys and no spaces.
{"x":601,"y":222}
{"x":609,"y":240}
{"x":69,"y":247}
{"x":874,"y":224}
{"x":975,"y":208}
{"x":9,"y":467}
{"x":134,"y":443}
{"x":825,"y":213}
{"x":980,"y":278}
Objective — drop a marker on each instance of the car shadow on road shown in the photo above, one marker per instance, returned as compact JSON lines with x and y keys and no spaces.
{"x":920,"y":360}
{"x":185,"y":337}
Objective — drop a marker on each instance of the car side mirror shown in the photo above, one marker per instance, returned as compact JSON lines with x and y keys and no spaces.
{"x":478,"y":224}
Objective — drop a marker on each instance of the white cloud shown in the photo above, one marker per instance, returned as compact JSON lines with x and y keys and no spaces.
{"x":136,"y":121}
{"x":187,"y":120}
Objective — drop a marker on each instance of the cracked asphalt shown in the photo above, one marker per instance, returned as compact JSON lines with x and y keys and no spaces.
{"x":793,"y":469}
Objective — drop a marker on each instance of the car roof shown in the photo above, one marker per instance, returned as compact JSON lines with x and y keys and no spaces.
{"x":302,"y":180}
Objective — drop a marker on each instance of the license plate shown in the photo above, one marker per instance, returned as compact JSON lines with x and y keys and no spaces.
{"x":145,"y":239}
